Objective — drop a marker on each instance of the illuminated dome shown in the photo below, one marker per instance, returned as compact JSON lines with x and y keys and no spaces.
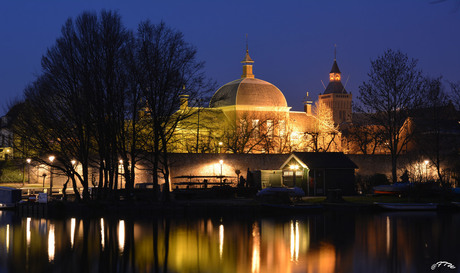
{"x":248,"y":91}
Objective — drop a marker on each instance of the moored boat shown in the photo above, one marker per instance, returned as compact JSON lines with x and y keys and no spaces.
{"x":396,"y":188}
{"x":407,"y":206}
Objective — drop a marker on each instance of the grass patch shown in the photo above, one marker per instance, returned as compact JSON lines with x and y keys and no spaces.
{"x":314,"y":200}
{"x":369,"y":199}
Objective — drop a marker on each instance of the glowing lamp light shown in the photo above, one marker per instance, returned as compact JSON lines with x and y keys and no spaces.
{"x":28,"y":160}
{"x":51,"y":158}
{"x":426,"y":162}
{"x":73,"y":162}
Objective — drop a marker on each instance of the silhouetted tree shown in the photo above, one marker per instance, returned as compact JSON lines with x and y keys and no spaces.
{"x":165,"y":64}
{"x":77,"y":107}
{"x":394,"y":89}
{"x":363,"y":137}
{"x":436,"y":120}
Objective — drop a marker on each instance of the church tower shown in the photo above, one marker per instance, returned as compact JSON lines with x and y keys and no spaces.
{"x":336,"y":98}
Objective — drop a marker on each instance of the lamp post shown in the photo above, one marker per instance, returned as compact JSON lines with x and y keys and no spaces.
{"x":221,"y":162}
{"x":74,"y":163}
{"x":426,"y":170}
{"x":51,"y":159}
{"x":121,"y":173}
{"x":294,"y":168}
{"x":220,"y":146}
{"x":28,"y":160}
{"x":198,"y":127}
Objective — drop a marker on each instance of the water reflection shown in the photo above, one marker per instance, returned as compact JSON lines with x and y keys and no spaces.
{"x":255,"y":265}
{"x":51,"y":244}
{"x":102,"y":234}
{"x":221,"y":240}
{"x":72,"y":231}
{"x":28,"y":231}
{"x":7,"y":238}
{"x":319,"y":243}
{"x":121,"y":235}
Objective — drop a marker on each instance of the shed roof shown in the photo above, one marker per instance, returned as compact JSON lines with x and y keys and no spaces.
{"x":326,"y":160}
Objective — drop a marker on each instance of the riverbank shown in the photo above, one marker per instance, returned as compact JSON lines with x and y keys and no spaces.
{"x":238,"y":207}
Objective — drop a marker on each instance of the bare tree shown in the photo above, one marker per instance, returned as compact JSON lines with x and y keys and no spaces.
{"x":166,"y":63}
{"x":434,"y":124}
{"x":394,"y":89}
{"x":256,"y":132}
{"x":77,"y":107}
{"x":325,"y":133}
{"x":364,"y":137}
{"x":455,"y":87}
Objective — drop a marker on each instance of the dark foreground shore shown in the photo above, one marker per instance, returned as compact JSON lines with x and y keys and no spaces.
{"x":239,"y":207}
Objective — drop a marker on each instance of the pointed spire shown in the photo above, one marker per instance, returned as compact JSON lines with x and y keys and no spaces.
{"x":247,"y":63}
{"x":335,"y":52}
{"x":335,"y":68}
{"x":247,"y":59}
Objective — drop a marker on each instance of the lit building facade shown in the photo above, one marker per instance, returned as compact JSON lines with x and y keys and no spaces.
{"x":250,"y":115}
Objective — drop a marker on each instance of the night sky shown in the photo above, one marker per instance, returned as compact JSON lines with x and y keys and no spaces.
{"x":291,"y":42}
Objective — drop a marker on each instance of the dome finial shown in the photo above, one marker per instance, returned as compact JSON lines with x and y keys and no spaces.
{"x":247,"y":63}
{"x":247,"y":59}
{"x":247,"y":46}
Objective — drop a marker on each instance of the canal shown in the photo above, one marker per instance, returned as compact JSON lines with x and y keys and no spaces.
{"x":333,"y":241}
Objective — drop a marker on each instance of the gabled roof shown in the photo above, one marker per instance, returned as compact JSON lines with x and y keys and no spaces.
{"x":323,"y":160}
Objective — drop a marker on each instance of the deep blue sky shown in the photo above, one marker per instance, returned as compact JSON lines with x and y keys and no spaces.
{"x":291,"y":42}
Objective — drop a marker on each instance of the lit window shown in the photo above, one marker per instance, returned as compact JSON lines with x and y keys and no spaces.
{"x":282,"y":128}
{"x":255,"y":127}
{"x":270,"y":128}
{"x":243,"y":125}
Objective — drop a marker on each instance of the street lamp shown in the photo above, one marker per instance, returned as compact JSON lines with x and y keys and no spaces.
{"x":220,"y":146}
{"x":28,"y":160}
{"x":51,"y":159}
{"x":294,"y":168}
{"x":121,"y":169}
{"x":426,"y":170}
{"x":221,"y":162}
{"x":198,"y":126}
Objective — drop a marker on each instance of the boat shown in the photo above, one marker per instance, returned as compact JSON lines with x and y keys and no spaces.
{"x":9,"y":197}
{"x":407,"y":206}
{"x":396,"y":188}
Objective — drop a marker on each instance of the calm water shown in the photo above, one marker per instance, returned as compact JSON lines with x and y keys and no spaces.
{"x":325,"y":242}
